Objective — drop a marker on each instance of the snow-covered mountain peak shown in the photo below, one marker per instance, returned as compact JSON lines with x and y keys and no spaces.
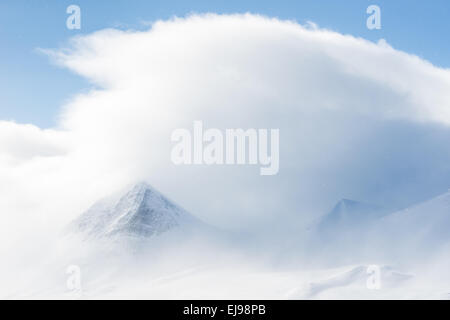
{"x":141,"y":212}
{"x":348,"y":213}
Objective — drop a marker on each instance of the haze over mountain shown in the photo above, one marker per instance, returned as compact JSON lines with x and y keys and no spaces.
{"x":351,"y":238}
{"x":349,"y":214}
{"x":142,"y":212}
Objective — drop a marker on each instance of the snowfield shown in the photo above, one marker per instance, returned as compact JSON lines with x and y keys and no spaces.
{"x":140,"y":244}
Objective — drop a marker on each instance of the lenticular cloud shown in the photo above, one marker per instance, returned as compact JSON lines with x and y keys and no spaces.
{"x":347,"y":111}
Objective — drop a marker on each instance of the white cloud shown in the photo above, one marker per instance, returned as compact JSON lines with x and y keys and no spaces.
{"x":20,"y":143}
{"x":356,"y":119}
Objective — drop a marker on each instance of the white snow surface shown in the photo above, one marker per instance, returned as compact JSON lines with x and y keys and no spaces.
{"x":142,"y":245}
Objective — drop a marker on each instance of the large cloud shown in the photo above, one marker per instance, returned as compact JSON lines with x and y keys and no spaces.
{"x":356,"y":119}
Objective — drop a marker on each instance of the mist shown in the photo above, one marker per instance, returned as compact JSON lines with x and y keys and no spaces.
{"x":356,"y":119}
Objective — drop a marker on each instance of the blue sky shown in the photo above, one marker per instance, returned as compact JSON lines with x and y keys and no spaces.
{"x":33,"y":89}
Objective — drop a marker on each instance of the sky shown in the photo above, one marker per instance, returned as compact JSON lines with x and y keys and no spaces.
{"x":362,"y":114}
{"x":34,"y":88}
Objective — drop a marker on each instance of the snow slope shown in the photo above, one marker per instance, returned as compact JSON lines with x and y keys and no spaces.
{"x":423,"y":228}
{"x":205,"y":269}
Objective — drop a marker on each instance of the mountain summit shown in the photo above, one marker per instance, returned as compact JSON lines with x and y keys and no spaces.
{"x":347,"y":213}
{"x":140,"y":212}
{"x":349,"y":220}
